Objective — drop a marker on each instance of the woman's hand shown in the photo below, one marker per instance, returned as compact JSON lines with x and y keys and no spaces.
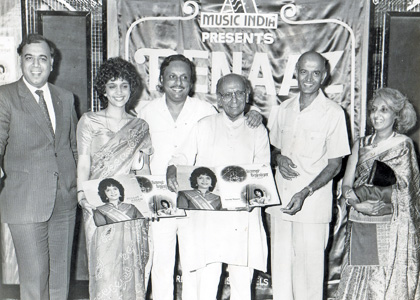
{"x":86,"y":206}
{"x":370,"y":207}
{"x":171,"y":180}
{"x":351,"y":197}
{"x":386,"y":210}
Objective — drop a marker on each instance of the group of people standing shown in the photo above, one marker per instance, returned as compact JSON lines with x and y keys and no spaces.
{"x":40,"y":146}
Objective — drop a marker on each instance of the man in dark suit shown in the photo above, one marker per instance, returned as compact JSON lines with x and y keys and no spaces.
{"x":38,"y":157}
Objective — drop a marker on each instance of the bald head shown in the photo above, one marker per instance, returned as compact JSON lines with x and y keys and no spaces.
{"x":312,"y":56}
{"x":311,"y":71}
{"x":232,"y":77}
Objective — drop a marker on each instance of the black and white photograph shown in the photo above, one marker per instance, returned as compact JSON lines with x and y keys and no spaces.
{"x":209,"y":149}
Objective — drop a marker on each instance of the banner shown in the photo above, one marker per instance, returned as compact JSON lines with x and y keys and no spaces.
{"x":250,"y":37}
{"x":260,"y":39}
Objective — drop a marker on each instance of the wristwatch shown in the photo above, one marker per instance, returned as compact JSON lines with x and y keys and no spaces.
{"x":310,"y":189}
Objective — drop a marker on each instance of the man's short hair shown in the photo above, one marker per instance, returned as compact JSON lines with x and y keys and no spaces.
{"x":245,"y":81}
{"x":36,"y":39}
{"x":177,"y":57}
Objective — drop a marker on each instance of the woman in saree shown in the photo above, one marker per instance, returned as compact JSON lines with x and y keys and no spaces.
{"x":203,"y":181}
{"x":382,"y":256}
{"x":113,"y":141}
{"x":114,"y":210}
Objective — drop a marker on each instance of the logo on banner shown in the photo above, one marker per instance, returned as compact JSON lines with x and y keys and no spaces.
{"x":238,"y":14}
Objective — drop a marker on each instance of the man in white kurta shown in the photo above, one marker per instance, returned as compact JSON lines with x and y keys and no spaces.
{"x":232,"y":237}
{"x":310,"y":137}
{"x":171,"y":119}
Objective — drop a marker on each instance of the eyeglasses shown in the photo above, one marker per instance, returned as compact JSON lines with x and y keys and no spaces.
{"x":240,"y":95}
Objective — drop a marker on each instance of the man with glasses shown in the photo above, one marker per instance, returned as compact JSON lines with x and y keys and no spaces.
{"x":236,"y":238}
{"x":171,"y":119}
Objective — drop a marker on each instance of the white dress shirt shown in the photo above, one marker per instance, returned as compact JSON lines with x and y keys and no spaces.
{"x":309,"y":138}
{"x":167,"y":135}
{"x":47,"y":98}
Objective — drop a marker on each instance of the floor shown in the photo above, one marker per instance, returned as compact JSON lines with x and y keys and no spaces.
{"x":78,"y":290}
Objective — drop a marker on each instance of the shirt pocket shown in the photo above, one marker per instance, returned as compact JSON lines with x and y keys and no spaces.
{"x":312,"y":144}
{"x":286,"y":136}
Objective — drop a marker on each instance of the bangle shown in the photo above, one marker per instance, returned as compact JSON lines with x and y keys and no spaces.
{"x":347,"y":202}
{"x":347,"y":193}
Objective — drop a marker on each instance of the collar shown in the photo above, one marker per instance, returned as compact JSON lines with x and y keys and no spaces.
{"x":33,"y":89}
{"x":234,"y":124}
{"x":317,"y":103}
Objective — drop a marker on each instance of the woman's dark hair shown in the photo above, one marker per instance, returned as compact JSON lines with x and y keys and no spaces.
{"x":167,"y":61}
{"x":107,"y":182}
{"x":399,"y":103}
{"x":203,"y":171}
{"x":118,"y":68}
{"x":165,"y":201}
{"x":259,"y":190}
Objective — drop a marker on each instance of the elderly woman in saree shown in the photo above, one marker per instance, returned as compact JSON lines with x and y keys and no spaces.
{"x":382,"y":247}
{"x":110,"y":142}
{"x":203,"y":181}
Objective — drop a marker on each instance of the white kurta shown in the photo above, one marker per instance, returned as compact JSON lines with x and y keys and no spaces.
{"x":230,"y":237}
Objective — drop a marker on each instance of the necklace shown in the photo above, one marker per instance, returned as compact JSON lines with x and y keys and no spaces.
{"x":118,"y":127}
{"x":375,"y":144}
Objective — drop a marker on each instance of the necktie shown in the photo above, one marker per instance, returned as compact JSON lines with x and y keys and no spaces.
{"x":44,"y":109}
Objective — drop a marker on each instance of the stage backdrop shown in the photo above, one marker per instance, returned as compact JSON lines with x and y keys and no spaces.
{"x":249,"y":37}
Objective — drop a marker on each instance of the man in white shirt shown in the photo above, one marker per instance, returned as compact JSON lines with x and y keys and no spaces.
{"x":309,"y":137}
{"x":171,"y":119}
{"x":236,"y":238}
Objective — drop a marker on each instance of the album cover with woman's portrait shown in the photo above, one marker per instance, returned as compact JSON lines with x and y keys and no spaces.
{"x":233,"y":187}
{"x":160,"y":201}
{"x":127,"y":197}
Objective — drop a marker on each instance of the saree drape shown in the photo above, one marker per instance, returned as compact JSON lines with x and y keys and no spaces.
{"x":194,"y":199}
{"x":382,"y":253}
{"x":118,"y":254}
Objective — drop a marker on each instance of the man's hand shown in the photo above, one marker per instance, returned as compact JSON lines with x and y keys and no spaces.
{"x":171,"y":180}
{"x":253,"y":119}
{"x":285,"y":167}
{"x":296,"y":203}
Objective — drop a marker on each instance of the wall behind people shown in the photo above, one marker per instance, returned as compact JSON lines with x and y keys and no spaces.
{"x":10,"y":37}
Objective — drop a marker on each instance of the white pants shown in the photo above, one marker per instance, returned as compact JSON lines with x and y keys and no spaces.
{"x":297,"y":259}
{"x":240,"y":279}
{"x":165,"y":233}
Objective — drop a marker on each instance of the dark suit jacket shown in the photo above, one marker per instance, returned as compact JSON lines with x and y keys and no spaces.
{"x":33,"y":159}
